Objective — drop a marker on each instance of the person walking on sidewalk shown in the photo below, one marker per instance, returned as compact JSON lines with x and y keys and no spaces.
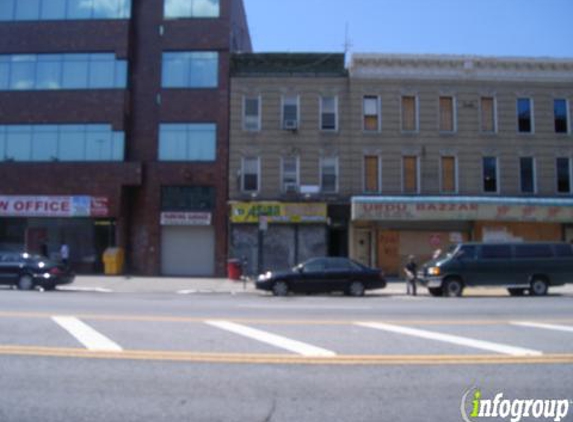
{"x":411,"y":270}
{"x":65,"y":253}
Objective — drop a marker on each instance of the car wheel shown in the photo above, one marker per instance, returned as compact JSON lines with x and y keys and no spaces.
{"x":516,"y":292}
{"x":453,"y":287}
{"x":26,"y":282}
{"x":436,"y":291}
{"x":356,"y":289}
{"x":539,"y":287}
{"x":280,"y":288}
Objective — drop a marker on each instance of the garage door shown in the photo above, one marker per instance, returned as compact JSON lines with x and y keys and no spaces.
{"x":187,"y":251}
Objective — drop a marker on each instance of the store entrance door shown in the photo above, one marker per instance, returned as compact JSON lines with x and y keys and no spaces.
{"x":389,"y":251}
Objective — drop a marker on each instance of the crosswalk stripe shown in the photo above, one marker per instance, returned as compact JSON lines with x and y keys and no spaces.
{"x":295,"y":346}
{"x":448,"y":338}
{"x":553,"y":327}
{"x":86,"y":335}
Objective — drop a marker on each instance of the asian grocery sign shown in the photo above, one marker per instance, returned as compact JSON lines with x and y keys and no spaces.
{"x":54,"y":206}
{"x":278,"y":212}
{"x":462,"y":211}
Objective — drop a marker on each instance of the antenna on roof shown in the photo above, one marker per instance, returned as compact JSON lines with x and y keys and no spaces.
{"x":347,"y":43}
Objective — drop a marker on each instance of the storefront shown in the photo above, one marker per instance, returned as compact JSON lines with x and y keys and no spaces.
{"x":385,"y":230}
{"x":277,"y":235}
{"x":41,"y":224}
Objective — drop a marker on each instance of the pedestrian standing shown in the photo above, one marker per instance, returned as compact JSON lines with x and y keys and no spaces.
{"x":65,"y":253}
{"x":411,"y":270}
{"x":44,"y":248}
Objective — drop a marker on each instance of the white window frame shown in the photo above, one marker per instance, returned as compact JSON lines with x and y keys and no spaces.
{"x":568,"y":115}
{"x":417,"y":113}
{"x":282,"y":181}
{"x":337,"y":172}
{"x":282,"y":122}
{"x":532,"y":106}
{"x":335,"y":113}
{"x":364,"y":173}
{"x":418,"y":176}
{"x":259,"y":120}
{"x":379,"y":115}
{"x":454,"y":114}
{"x":495,"y":127}
{"x":259,"y":178}
{"x":456,"y":175}
{"x":557,"y":177}
{"x":497,"y":175}
{"x":534,"y":163}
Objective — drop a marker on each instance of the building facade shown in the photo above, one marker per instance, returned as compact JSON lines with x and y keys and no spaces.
{"x":114,"y":130}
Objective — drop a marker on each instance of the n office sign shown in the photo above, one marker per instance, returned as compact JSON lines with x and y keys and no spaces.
{"x":53,"y":206}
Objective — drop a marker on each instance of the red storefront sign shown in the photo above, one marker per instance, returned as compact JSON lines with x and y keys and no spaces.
{"x":53,"y":206}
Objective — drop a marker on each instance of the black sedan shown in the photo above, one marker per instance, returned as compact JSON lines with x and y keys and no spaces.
{"x":27,"y":271}
{"x":320,"y":275}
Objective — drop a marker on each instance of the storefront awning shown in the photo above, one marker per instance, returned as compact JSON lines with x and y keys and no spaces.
{"x":461,"y":208}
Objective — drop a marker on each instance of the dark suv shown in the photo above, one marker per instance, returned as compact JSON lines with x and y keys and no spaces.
{"x":27,"y":271}
{"x":520,"y":267}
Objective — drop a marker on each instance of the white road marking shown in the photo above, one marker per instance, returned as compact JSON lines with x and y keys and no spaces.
{"x":553,"y":327}
{"x":448,"y":338}
{"x":295,"y":346}
{"x":86,"y":335}
{"x":85,"y":289}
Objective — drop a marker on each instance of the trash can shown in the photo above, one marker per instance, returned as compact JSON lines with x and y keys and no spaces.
{"x":234,"y":269}
{"x":113,"y":259}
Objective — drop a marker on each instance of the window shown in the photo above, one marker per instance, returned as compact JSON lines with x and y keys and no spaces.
{"x":95,"y":142}
{"x":371,"y":110}
{"x":563,"y":250}
{"x":252,"y":113}
{"x":409,"y":114}
{"x":191,"y":9}
{"x":371,"y":174}
{"x":290,"y":174}
{"x":329,"y":113}
{"x":490,"y":174}
{"x":447,"y":114}
{"x":33,"y":10}
{"x":290,"y":118}
{"x":496,"y":251}
{"x":250,"y":174}
{"x":61,"y":71}
{"x":533,"y":251}
{"x":524,"y":115}
{"x":449,"y":175}
{"x":329,"y":174}
{"x":488,"y":120}
{"x":187,"y":198}
{"x":185,"y":69}
{"x":561,"y":116}
{"x":410,"y":174}
{"x":187,"y":142}
{"x":527,"y":174}
{"x":563,"y":175}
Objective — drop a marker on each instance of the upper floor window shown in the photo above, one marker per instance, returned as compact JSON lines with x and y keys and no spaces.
{"x":488,"y":119}
{"x":252,"y":113}
{"x":35,"y":10}
{"x":190,"y":69}
{"x":527,"y":174}
{"x":490,"y":174}
{"x":93,"y":142}
{"x":563,"y":174}
{"x":329,"y":174}
{"x":250,"y":174}
{"x":372,"y":174}
{"x":187,"y":142}
{"x":26,"y":72}
{"x":449,"y":179}
{"x":187,"y":198}
{"x":447,"y":114}
{"x":410,"y":174}
{"x":290,"y":112}
{"x":371,"y":114}
{"x":191,"y":9}
{"x":290,"y":174}
{"x":524,"y":115}
{"x":329,"y":113}
{"x":561,"y":115}
{"x":409,"y":113}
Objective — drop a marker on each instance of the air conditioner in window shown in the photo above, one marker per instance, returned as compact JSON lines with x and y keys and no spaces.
{"x":290,"y":124}
{"x":291,"y":188}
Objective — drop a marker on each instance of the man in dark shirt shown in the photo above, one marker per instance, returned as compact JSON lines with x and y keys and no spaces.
{"x":411,"y":270}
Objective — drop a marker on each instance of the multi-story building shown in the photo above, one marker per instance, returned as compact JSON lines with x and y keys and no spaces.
{"x":114,"y":129}
{"x":405,"y":155}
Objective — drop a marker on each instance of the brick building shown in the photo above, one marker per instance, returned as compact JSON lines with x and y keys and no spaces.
{"x":114,"y":129}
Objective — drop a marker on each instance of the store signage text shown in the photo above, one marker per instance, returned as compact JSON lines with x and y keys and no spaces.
{"x":278,"y":212}
{"x":53,"y":206}
{"x":185,"y":218}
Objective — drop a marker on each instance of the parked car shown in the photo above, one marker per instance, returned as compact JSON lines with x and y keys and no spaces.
{"x":320,"y":275}
{"x":27,"y":271}
{"x":519,"y":267}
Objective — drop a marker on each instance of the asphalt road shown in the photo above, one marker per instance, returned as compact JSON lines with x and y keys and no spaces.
{"x":78,"y":356}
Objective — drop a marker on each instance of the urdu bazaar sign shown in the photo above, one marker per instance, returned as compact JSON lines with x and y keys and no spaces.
{"x":278,"y":212}
{"x":558,"y":211}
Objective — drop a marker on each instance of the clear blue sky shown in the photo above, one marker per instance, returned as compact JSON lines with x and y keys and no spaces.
{"x":480,"y":27}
